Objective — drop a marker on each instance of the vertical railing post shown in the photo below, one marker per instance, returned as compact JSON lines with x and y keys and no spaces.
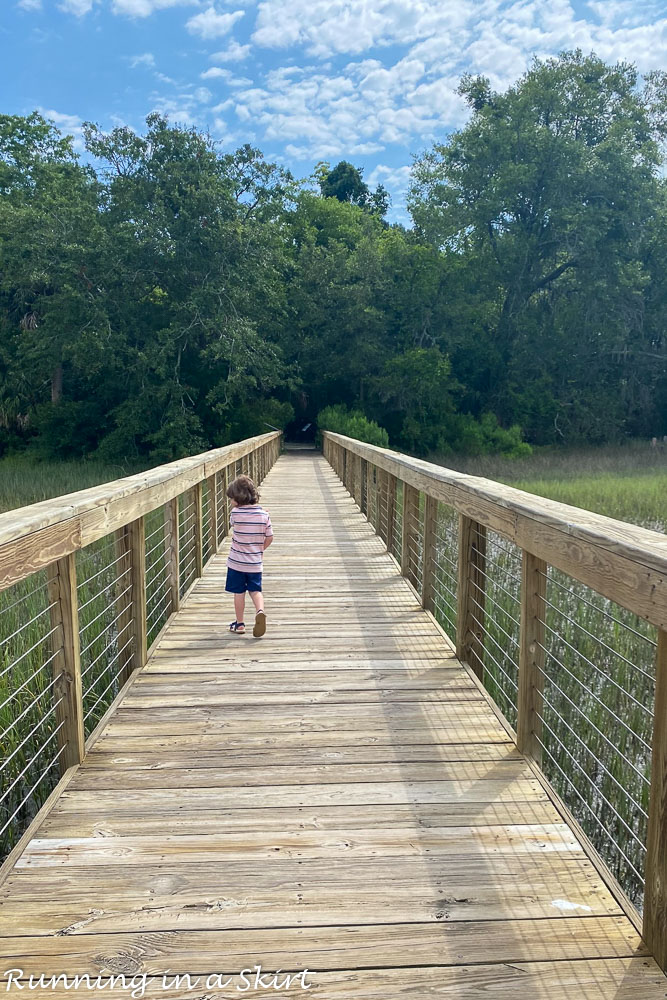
{"x":471,"y":593}
{"x":357,"y":480}
{"x":655,"y":896}
{"x":226,"y":480}
{"x":408,"y":532}
{"x":382,"y":477}
{"x":429,"y":563}
{"x":363,"y":487}
{"x":137,"y":545}
{"x":531,"y":656}
{"x":197,"y":491}
{"x":391,"y":510}
{"x":67,"y":689}
{"x":123,"y":591}
{"x":212,"y":484}
{"x":171,"y":541}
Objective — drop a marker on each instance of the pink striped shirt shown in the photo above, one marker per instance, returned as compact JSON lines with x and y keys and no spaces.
{"x":250,"y":525}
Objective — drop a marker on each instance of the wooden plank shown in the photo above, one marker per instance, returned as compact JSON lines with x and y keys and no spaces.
{"x":161,"y":820}
{"x":408,"y":530}
{"x":531,"y":656}
{"x":21,"y":557}
{"x":428,"y":570}
{"x":391,"y":510}
{"x":470,"y":594}
{"x":291,"y":774}
{"x":655,"y":899}
{"x":623,"y":978}
{"x":172,"y":545}
{"x":329,"y":948}
{"x":136,"y":533}
{"x":67,"y":689}
{"x":211,"y":487}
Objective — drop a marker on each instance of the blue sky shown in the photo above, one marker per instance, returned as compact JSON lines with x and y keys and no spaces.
{"x":371,"y":81}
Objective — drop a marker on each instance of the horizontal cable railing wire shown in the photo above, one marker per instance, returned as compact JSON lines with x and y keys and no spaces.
{"x":30,"y":699}
{"x":596,"y":718}
{"x":106,"y":635}
{"x":159,"y":595}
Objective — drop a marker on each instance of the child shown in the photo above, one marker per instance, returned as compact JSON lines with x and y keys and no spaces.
{"x":251,"y":534}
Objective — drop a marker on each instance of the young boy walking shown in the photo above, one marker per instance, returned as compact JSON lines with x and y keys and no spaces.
{"x":251,"y":534}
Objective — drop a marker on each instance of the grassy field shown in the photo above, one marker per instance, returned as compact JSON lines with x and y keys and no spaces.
{"x":23,"y":481}
{"x":627,"y":482}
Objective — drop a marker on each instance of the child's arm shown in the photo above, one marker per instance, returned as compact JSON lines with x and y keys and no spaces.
{"x":268,"y":532}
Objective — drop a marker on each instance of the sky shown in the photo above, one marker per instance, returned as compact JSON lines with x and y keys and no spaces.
{"x":369,"y":81}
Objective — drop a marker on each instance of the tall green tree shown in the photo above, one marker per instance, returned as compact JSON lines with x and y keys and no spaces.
{"x":550,"y":186}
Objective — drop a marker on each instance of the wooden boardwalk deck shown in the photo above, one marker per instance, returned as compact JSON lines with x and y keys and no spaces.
{"x":337,"y":796}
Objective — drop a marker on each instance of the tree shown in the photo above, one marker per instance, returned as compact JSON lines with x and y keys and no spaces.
{"x":549,"y":185}
{"x":345,"y":183}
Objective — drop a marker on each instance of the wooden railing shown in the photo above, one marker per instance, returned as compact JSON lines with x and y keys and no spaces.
{"x":87,"y":583}
{"x":561,"y":614}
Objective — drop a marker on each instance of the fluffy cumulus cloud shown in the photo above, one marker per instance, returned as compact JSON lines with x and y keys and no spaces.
{"x":211,"y":23}
{"x":29,"y":4}
{"x":398,"y":87}
{"x":235,"y":52}
{"x":68,"y":125}
{"x":144,"y":8}
{"x":77,"y":7}
{"x":147,"y":59}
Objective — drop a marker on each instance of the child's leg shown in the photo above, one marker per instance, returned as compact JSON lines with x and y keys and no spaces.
{"x":257,"y":598}
{"x":259,"y":627}
{"x":239,"y":606}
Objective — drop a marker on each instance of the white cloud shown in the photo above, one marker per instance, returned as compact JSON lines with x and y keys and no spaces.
{"x":147,"y":59}
{"x":144,"y":8}
{"x":233,"y":53}
{"x":68,"y":125}
{"x":30,"y":5}
{"x":202,"y":95}
{"x":211,"y":24}
{"x":216,"y":73}
{"x":77,"y":7}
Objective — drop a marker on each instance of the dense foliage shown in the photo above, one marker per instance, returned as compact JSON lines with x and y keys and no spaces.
{"x":173,"y":297}
{"x":353,"y":423}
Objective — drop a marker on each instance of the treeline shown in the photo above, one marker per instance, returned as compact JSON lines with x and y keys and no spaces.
{"x":174,"y":297}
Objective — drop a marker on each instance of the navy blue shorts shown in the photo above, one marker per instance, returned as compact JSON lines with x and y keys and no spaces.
{"x":238,"y":583}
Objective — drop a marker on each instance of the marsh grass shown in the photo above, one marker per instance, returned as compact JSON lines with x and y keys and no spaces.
{"x":599,"y":658}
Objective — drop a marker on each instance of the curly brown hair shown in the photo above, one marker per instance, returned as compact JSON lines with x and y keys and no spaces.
{"x":243,"y":491}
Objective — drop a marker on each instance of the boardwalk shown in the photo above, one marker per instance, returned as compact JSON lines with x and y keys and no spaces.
{"x":337,"y":796}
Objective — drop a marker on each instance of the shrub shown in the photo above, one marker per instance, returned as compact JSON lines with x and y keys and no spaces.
{"x":352,"y":423}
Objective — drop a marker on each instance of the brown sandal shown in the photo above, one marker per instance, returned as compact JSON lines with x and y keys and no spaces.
{"x":260,"y":625}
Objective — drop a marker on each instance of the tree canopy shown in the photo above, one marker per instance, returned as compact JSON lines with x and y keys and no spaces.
{"x":159,"y":296}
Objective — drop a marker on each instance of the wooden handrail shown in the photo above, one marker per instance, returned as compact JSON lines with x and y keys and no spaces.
{"x":35,"y":536}
{"x":624,"y":562}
